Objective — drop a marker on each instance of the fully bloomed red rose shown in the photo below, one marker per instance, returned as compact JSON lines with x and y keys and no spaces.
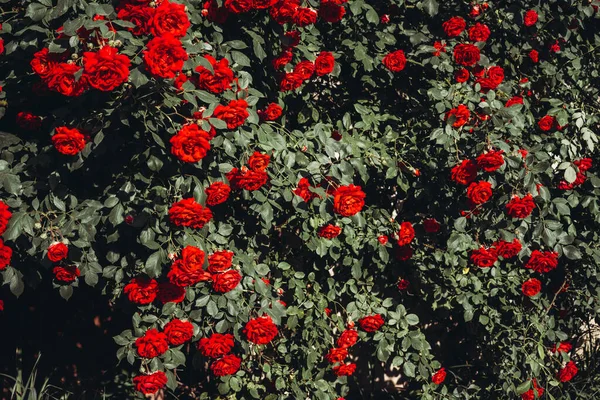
{"x":28,"y":121}
{"x":531,"y":287}
{"x":263,"y":4}
{"x":329,"y":231}
{"x":234,"y":114}
{"x":480,"y":192}
{"x":105,"y":69}
{"x":216,"y":345}
{"x":5,"y":255}
{"x":226,"y":281}
{"x":214,"y":13}
{"x":530,"y":18}
{"x":247,"y":179}
{"x":439,"y":376}
{"x":305,"y":69}
{"x":238,"y":6}
{"x":170,"y":293}
{"x":150,"y":384}
{"x":514,"y":100}
{"x":66,"y":274}
{"x":492,"y":79}
{"x":479,"y":33}
{"x":188,"y":213}
{"x":484,"y":257}
{"x":290,"y":81}
{"x":454,"y":26}
{"x":62,"y":79}
{"x":520,"y":207}
{"x":371,"y":323}
{"x":271,"y":113}
{"x":217,"y":193}
{"x":164,"y":56}
{"x":584,"y":164}
{"x":348,"y":200}
{"x":461,"y":115}
{"x":542,"y":262}
{"x":260,"y":330}
{"x":529,"y":395}
{"x":220,"y":261}
{"x":431,"y":225}
{"x":344,"y":369}
{"x":216,"y":82}
{"x":284,"y":59}
{"x":304,"y":16}
{"x":259,"y":161}
{"x":190,"y":144}
{"x":568,"y":372}
{"x":139,"y":15}
{"x":406,"y":234}
{"x":331,"y":12}
{"x":5,"y":215}
{"x":141,"y":290}
{"x":466,"y":54}
{"x":170,"y":19}
{"x":508,"y":249}
{"x":324,"y":63}
{"x":43,"y":62}
{"x":534,"y":56}
{"x":490,"y":161}
{"x":395,"y":61}
{"x":152,"y":344}
{"x":188,"y":270}
{"x":283,"y":11}
{"x":465,"y":172}
{"x":68,"y":141}
{"x":228,"y":365}
{"x":57,"y":251}
{"x":303,"y":190}
{"x":347,"y":339}
{"x":547,"y":123}
{"x":336,"y":355}
{"x":178,"y":332}
{"x":403,"y":284}
{"x":462,"y":75}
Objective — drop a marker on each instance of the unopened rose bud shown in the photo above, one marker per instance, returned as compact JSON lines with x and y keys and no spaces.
{"x":69,"y":61}
{"x":304,"y":148}
{"x":188,"y":73}
{"x":172,"y":256}
{"x":152,"y":4}
{"x":280,"y":291}
{"x":118,"y":43}
{"x":111,"y":43}
{"x":43,"y":236}
{"x":385,"y":19}
{"x":37,"y":225}
{"x":90,"y":46}
{"x":350,"y":324}
{"x":204,"y":12}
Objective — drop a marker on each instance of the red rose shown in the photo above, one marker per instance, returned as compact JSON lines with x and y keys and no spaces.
{"x":188,"y":270}
{"x":226,"y":281}
{"x":493,"y":78}
{"x":105,"y":69}
{"x":329,"y":231}
{"x":228,"y":365}
{"x":480,"y":192}
{"x":395,"y":61}
{"x":348,"y":200}
{"x":188,"y":213}
{"x":303,"y":190}
{"x":164,"y":56}
{"x":43,"y":62}
{"x":139,"y":15}
{"x":439,"y":47}
{"x":336,"y":355}
{"x":382,"y":239}
{"x":234,"y":114}
{"x":259,"y":161}
{"x":170,"y":19}
{"x":324,"y":63}
{"x":563,"y":347}
{"x":216,"y":345}
{"x":28,"y":121}
{"x":466,"y":54}
{"x":403,"y":284}
{"x":534,"y":55}
{"x":431,"y":225}
{"x":530,"y":18}
{"x":479,"y":33}
{"x":214,"y":13}
{"x":465,"y":172}
{"x":68,"y":141}
{"x":62,"y":79}
{"x":462,"y":75}
{"x":170,"y":293}
{"x":584,"y":164}
{"x":439,"y":376}
{"x":178,"y":332}
{"x":514,"y":100}
{"x":567,"y":372}
{"x":490,"y":161}
{"x":371,"y":323}
{"x":220,"y":261}
{"x":141,"y":290}
{"x":529,"y":395}
{"x":66,"y":274}
{"x":190,"y":144}
{"x":260,"y":330}
{"x":150,"y":384}
{"x":247,"y":179}
{"x":5,"y":215}
{"x":519,"y":207}
{"x":5,"y":255}
{"x":304,"y":16}
{"x":542,"y":262}
{"x":283,"y":11}
{"x":272,"y":112}
{"x":484,"y":257}
{"x":406,"y":234}
{"x":344,"y":369}
{"x":461,"y":115}
{"x":152,"y":344}
{"x":454,"y":26}
{"x":331,"y":12}
{"x":508,"y":249}
{"x":305,"y":69}
{"x":284,"y":59}
{"x":403,"y":253}
{"x":238,"y":6}
{"x":263,"y":4}
{"x":347,"y":339}
{"x":290,"y":81}
{"x":217,"y":193}
{"x":547,"y":123}
{"x":531,"y":287}
{"x":57,"y":251}
{"x":216,"y":82}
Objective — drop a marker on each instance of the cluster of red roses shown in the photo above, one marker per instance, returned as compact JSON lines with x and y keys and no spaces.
{"x":58,"y":251}
{"x":304,"y":70}
{"x":252,"y":177}
{"x":218,"y":346}
{"x":582,"y":166}
{"x":5,"y":251}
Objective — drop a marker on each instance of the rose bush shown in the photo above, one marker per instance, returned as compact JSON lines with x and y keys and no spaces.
{"x":294,"y":199}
